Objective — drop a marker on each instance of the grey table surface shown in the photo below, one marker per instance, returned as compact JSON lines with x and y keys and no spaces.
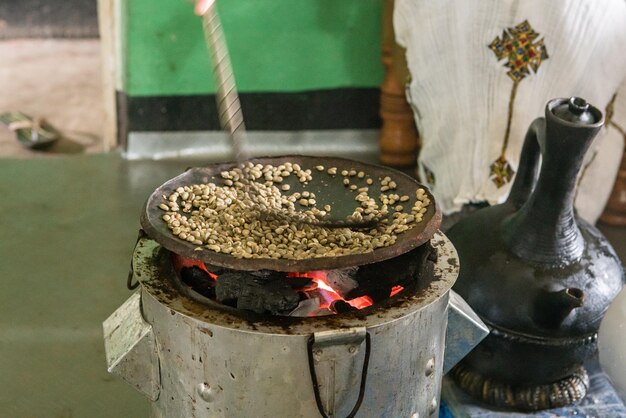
{"x":68,"y":226}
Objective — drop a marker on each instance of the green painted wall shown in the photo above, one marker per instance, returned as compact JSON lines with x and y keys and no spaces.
{"x":276,"y":45}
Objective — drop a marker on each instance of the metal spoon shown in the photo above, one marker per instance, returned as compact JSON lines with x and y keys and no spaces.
{"x":228,"y":104}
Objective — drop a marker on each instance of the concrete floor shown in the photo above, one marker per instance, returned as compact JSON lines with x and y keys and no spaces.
{"x":58,"y":80}
{"x":68,"y":233}
{"x":65,"y":252}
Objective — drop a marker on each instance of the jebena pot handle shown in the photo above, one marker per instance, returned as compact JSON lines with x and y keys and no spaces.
{"x":528,"y":168}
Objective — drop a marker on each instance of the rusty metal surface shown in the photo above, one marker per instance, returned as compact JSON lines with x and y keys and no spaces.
{"x":328,"y":190}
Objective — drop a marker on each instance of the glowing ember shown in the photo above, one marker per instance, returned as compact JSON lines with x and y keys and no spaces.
{"x":395,"y":290}
{"x":318,"y":289}
{"x":182,"y":262}
{"x":328,"y":294}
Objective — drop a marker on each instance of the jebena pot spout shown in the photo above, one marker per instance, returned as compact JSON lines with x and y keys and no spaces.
{"x":551,"y":308}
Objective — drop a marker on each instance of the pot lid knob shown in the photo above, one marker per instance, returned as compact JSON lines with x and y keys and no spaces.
{"x":575,"y":110}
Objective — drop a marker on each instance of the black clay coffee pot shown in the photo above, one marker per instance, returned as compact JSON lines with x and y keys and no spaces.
{"x":539,"y":276}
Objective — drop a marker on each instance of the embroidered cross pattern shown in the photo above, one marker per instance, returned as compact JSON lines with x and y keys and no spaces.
{"x":523,"y":52}
{"x":518,"y":46}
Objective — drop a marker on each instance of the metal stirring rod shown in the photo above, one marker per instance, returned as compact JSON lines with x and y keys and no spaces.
{"x":228,"y":104}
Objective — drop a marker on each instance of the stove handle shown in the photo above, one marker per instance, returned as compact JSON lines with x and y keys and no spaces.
{"x":329,"y":346}
{"x":129,"y":281}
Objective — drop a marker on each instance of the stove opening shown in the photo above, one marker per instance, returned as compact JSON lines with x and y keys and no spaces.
{"x":311,"y":293}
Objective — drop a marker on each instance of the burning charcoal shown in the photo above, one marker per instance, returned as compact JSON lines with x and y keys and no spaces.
{"x":307,"y":307}
{"x":341,"y":280}
{"x":199,"y":280}
{"x":259,"y":292}
{"x":230,"y":286}
{"x":216,"y":269}
{"x":412,"y":270}
{"x":426,"y":273}
{"x":195,"y":277}
{"x":341,"y":306}
{"x":299,"y":283}
{"x":265,"y":274}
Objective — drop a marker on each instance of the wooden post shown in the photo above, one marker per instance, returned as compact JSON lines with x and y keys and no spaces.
{"x":399,"y":142}
{"x":107,"y":19}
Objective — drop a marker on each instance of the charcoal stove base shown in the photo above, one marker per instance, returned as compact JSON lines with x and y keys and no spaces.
{"x":193,"y":360}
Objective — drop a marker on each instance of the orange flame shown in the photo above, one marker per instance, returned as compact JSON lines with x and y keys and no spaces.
{"x":330,"y":295}
{"x":395,"y":290}
{"x":325,"y":291}
{"x":182,"y":262}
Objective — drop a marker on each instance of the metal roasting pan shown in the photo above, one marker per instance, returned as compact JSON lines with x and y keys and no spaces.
{"x":328,"y":190}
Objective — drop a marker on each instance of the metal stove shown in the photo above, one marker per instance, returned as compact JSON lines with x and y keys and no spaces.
{"x":193,"y":357}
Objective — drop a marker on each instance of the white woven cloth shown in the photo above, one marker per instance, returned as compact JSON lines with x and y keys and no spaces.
{"x":460,"y":90}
